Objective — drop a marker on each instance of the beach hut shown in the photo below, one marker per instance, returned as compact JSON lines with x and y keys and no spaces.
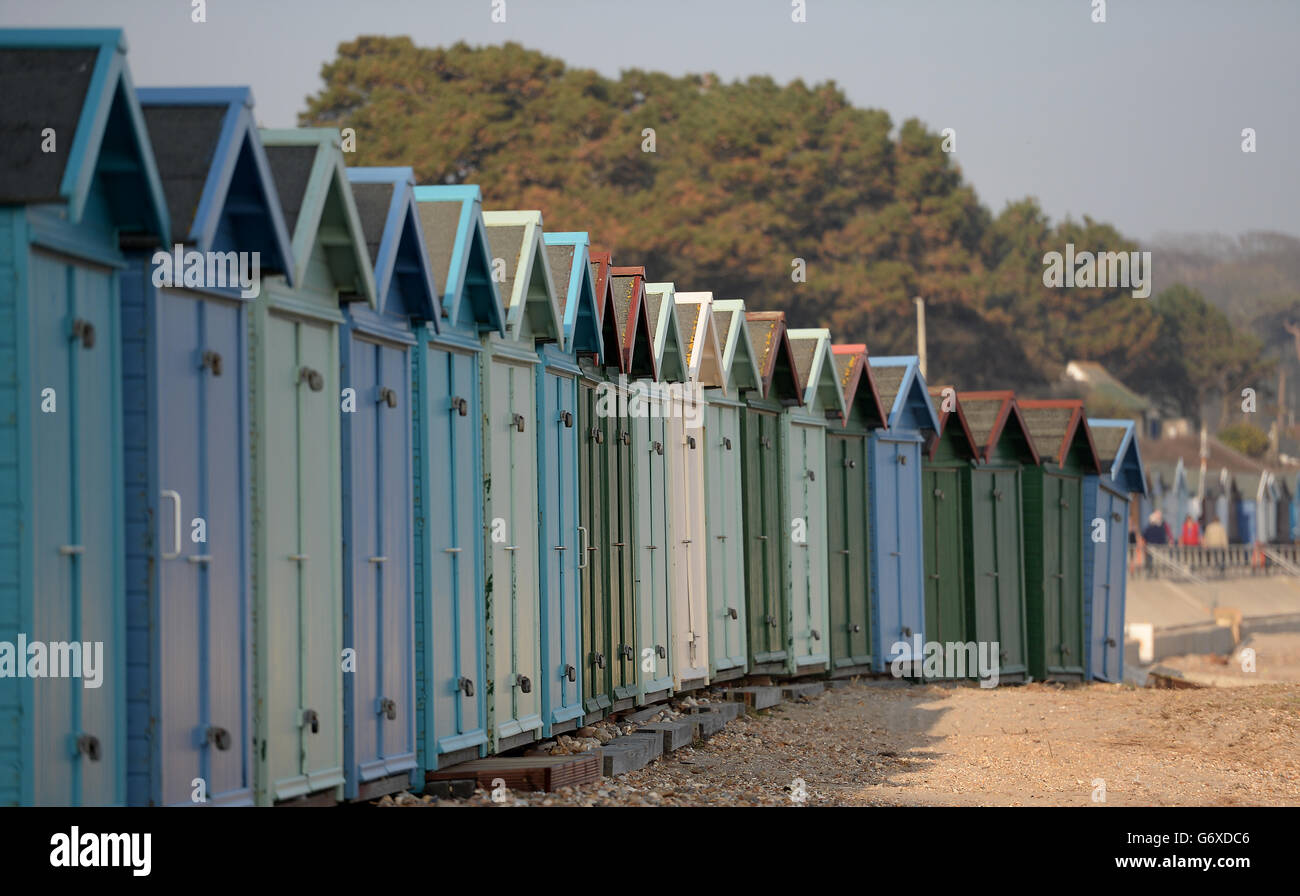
{"x":296,"y":499}
{"x":848,"y":513}
{"x":687,"y":536}
{"x":803,"y":437}
{"x":995,"y":533}
{"x":945,"y":499}
{"x":1053,"y":524}
{"x":65,"y":213}
{"x":897,"y":558}
{"x":185,"y":358}
{"x":653,"y":499}
{"x":511,"y":474}
{"x":1249,"y":487}
{"x":606,"y":487}
{"x":1106,"y":500}
{"x":447,"y":452}
{"x":379,"y":702}
{"x":766,"y":528}
{"x":564,"y":543}
{"x":723,"y":484}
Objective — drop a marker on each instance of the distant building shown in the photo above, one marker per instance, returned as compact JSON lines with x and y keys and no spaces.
{"x":1106,"y":396}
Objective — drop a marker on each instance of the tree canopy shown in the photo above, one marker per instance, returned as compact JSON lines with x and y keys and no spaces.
{"x":748,"y":176}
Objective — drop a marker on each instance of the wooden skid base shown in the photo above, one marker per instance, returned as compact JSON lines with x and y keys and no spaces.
{"x":319,"y":798}
{"x":729,"y":674}
{"x":373,"y":790}
{"x":802,"y":689}
{"x":529,"y":772}
{"x":677,"y":733}
{"x":756,"y":697}
{"x":728,"y":710}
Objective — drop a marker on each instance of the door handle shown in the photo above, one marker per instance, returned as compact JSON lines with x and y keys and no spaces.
{"x":386,"y":708}
{"x":844,"y":551}
{"x":599,"y":660}
{"x":466,"y":686}
{"x":817,"y":636}
{"x":570,"y":673}
{"x":658,"y":448}
{"x":299,"y":558}
{"x":525,"y":683}
{"x":460,"y":406}
{"x":1110,"y":642}
{"x":379,"y":559}
{"x":200,"y":558}
{"x":310,"y":719}
{"x":72,"y":550}
{"x":721,"y":537}
{"x":907,"y":632}
{"x":517,"y":421}
{"x":661,"y":650}
{"x":510,"y":547}
{"x":690,"y":442}
{"x":726,"y":443}
{"x":387,"y":396}
{"x":731,"y":611}
{"x":761,"y":537}
{"x":175,"y":497}
{"x":566,"y":417}
{"x":452,"y":550}
{"x":855,"y":628}
{"x":584,"y":558}
{"x":771,"y":620}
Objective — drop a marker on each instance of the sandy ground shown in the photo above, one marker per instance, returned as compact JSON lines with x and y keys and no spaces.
{"x":893,"y":743}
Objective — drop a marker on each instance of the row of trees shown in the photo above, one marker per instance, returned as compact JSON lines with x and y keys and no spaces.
{"x":745,"y":178}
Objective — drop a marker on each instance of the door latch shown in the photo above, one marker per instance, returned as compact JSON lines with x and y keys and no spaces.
{"x":570,"y":672}
{"x":599,"y":660}
{"x":726,"y":443}
{"x":625,"y":436}
{"x":854,"y":628}
{"x":661,"y":651}
{"x":690,"y":442}
{"x":218,"y":737}
{"x":466,"y":685}
{"x":211,"y":361}
{"x":88,"y":744}
{"x":313,"y":378}
{"x":658,"y":447}
{"x":310,"y":718}
{"x":566,"y":417}
{"x":85,"y":331}
{"x":817,"y":636}
{"x":731,"y":611}
{"x":525,"y":683}
{"x":517,"y":421}
{"x":387,"y":708}
{"x":597,"y":435}
{"x":460,"y":406}
{"x":387,"y":396}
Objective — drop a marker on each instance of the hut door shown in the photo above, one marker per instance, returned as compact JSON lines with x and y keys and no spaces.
{"x":593,"y":547}
{"x":382,"y":682}
{"x":945,"y":611}
{"x":652,"y":648}
{"x":725,"y":551}
{"x":318,"y":620}
{"x":74,"y":322}
{"x":451,"y":510}
{"x":199,"y":522}
{"x":558,"y":432}
{"x":621,"y":548}
{"x":1005,"y":497}
{"x":765,"y":529}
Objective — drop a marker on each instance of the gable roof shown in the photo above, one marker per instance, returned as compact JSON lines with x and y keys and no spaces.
{"x":214,"y":172}
{"x":566,"y":253}
{"x":775,"y":359}
{"x":739,"y":360}
{"x":816,"y":370}
{"x":385,"y":199}
{"x":460,"y":259}
{"x":77,"y":83}
{"x":903,"y":392}
{"x":952,"y":423}
{"x":1055,"y":425}
{"x":528,"y":293}
{"x":1117,"y":450}
{"x":989,"y":414}
{"x":631,"y":319}
{"x":703,"y":353}
{"x":670,"y":343}
{"x":307,"y":164}
{"x":858,"y":384}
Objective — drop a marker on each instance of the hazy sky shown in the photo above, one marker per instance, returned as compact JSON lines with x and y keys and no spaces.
{"x":1136,"y":121}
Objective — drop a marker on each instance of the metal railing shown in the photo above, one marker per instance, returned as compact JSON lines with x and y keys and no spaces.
{"x":1194,"y":563}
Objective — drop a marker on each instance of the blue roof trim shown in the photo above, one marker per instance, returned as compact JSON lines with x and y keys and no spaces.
{"x":580,"y":293}
{"x":402,"y":214}
{"x":912,"y":394}
{"x":469,"y":232}
{"x":1127,"y":469}
{"x":110,"y":79}
{"x":238,"y":133}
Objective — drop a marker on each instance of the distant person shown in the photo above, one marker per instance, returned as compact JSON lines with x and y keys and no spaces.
{"x":1215,"y":535}
{"x":1191,"y":532}
{"x":1156,"y":532}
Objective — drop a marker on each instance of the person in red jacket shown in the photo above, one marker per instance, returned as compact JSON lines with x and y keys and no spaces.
{"x":1191,"y":532}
